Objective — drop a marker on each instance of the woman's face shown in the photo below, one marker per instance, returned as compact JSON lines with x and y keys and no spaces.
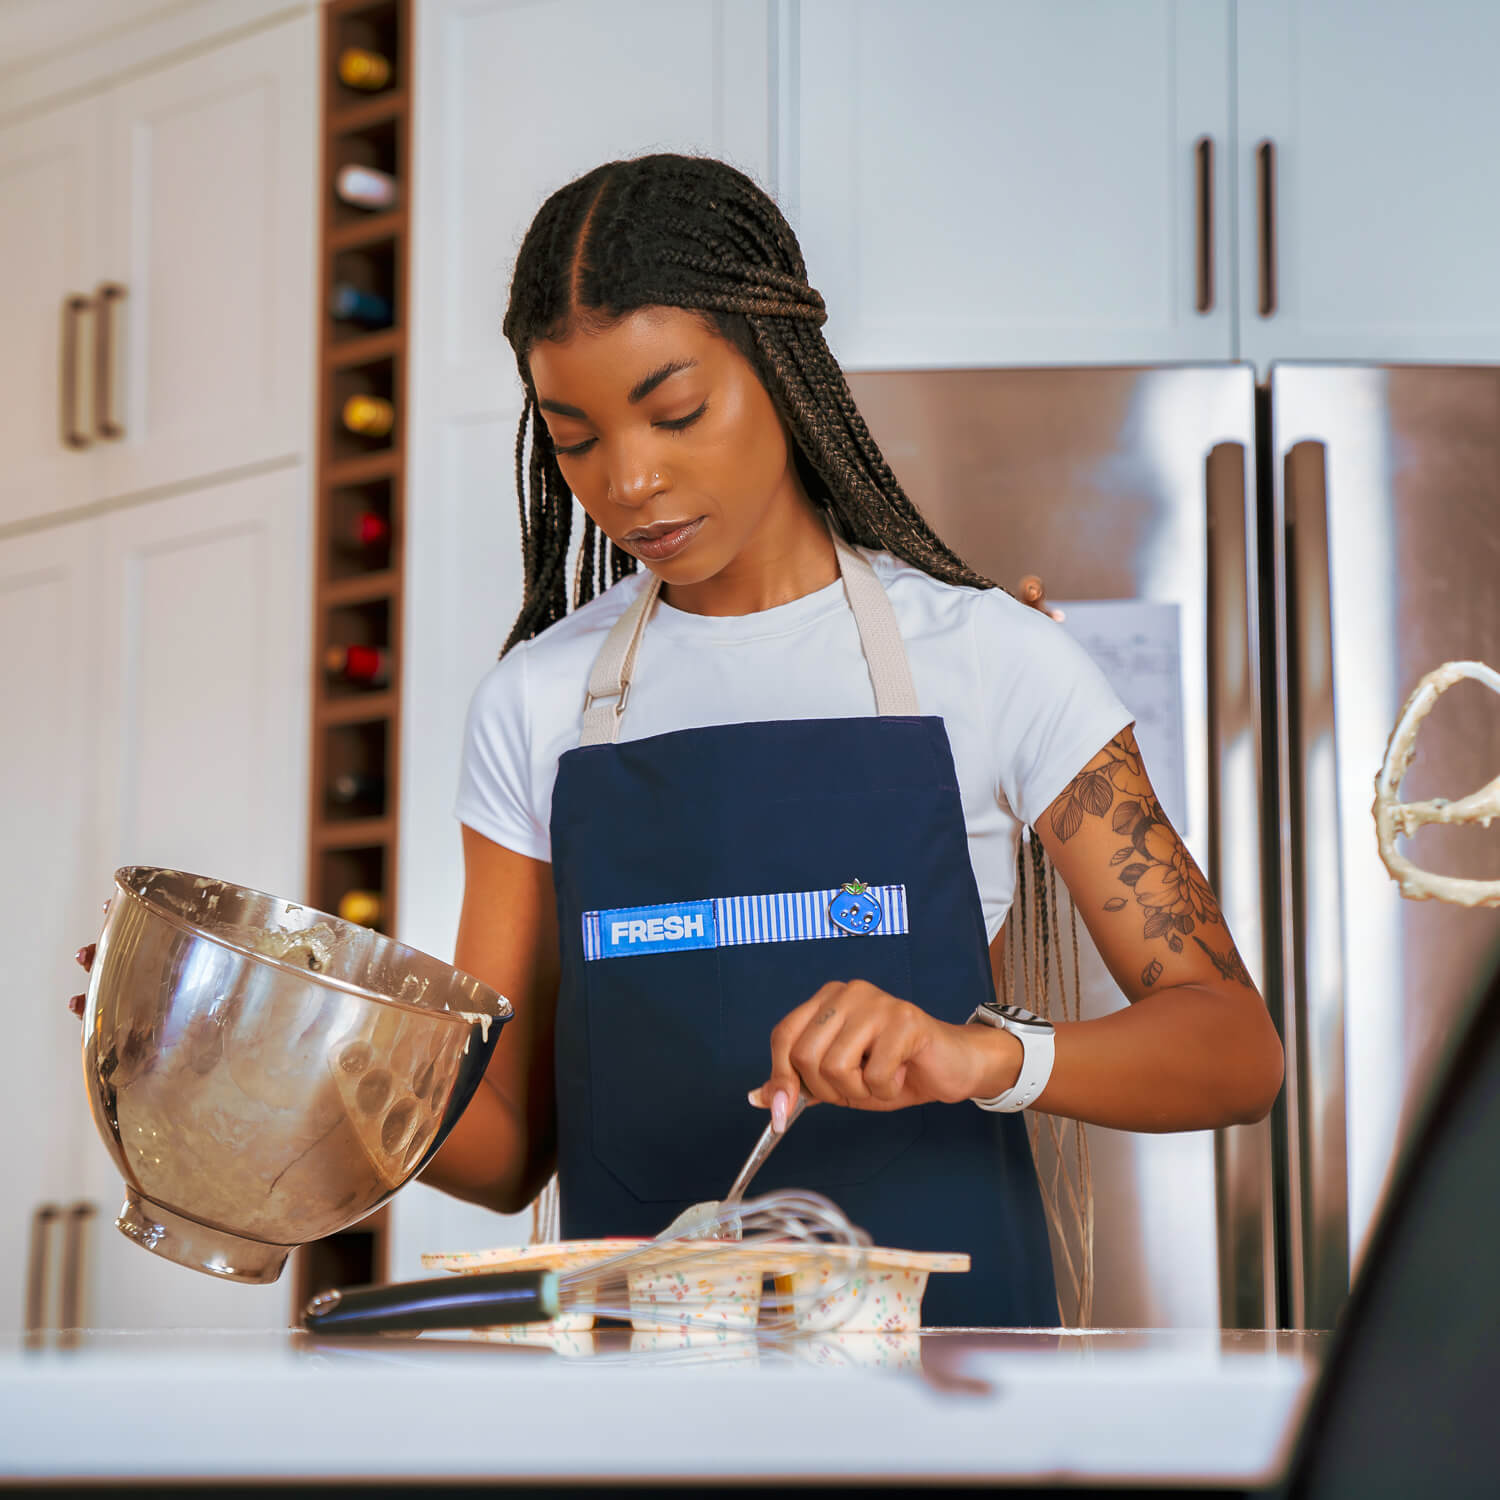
{"x":665,"y":434}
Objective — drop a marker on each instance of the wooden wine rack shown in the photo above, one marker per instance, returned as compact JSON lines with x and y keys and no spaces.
{"x":357,"y":597}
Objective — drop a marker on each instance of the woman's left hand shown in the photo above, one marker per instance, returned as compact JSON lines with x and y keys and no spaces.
{"x":853,"y":1044}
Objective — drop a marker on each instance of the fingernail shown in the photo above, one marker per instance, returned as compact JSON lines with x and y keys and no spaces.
{"x":78,"y":957}
{"x":75,"y":1004}
{"x":756,"y":1098}
{"x":780,"y":1104}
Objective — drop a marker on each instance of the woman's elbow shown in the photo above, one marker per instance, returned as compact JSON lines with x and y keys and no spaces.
{"x":1260,"y":1076}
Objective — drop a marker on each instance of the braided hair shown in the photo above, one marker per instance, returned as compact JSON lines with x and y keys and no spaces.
{"x":694,"y":233}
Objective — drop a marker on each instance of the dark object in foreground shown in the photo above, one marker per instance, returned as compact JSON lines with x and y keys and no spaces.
{"x":1405,"y":1405}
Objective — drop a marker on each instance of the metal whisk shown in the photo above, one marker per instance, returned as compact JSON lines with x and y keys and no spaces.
{"x":799,"y":1242}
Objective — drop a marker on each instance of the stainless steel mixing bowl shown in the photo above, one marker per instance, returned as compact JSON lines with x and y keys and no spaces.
{"x":265,"y":1074}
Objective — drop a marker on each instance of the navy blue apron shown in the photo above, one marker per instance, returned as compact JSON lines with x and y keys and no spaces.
{"x":701,"y":895}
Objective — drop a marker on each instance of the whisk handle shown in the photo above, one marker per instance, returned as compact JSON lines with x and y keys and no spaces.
{"x":483,"y":1300}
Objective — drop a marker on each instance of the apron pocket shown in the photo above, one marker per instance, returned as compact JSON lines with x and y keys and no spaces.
{"x":665,"y":1112}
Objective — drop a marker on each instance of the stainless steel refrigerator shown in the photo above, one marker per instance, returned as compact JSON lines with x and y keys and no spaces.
{"x":1314,"y":545}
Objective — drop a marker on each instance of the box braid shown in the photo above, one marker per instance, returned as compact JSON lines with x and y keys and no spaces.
{"x":694,"y":233}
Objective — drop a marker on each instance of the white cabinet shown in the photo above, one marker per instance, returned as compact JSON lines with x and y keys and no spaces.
{"x":210,"y":173}
{"x":46,"y":907}
{"x":1019,"y":181}
{"x":175,"y":214}
{"x":49,"y":192}
{"x":1013,"y":183}
{"x":155,"y":676}
{"x":1381,"y":117}
{"x":156,"y":654}
{"x":52,"y":48}
{"x":199,"y":712}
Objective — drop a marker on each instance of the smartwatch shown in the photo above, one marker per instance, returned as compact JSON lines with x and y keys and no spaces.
{"x":1036,"y":1037}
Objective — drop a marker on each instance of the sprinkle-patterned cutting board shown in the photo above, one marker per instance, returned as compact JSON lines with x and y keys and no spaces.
{"x":568,"y":1255}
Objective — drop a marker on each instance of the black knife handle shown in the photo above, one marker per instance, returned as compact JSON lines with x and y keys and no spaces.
{"x":445,"y":1302}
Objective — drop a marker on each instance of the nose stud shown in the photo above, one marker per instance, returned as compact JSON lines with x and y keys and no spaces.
{"x":609,"y":489}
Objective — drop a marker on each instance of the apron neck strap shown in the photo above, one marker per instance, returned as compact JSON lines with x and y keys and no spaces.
{"x":879,"y":636}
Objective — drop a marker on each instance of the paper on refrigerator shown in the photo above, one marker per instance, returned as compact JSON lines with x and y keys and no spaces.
{"x":1138,"y":645}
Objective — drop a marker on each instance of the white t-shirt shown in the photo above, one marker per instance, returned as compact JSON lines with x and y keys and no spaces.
{"x":1025,"y":706}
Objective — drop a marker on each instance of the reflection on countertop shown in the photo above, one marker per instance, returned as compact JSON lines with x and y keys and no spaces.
{"x":1177,"y":1406}
{"x":620,"y":1347}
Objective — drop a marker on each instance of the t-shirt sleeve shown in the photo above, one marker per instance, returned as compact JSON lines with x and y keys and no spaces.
{"x":495,"y":779}
{"x":1051,"y":709}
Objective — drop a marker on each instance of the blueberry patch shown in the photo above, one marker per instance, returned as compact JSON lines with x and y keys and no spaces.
{"x":854,"y":909}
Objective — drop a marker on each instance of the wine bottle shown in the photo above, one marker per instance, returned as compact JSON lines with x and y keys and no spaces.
{"x":369,"y":416}
{"x":369,"y":666}
{"x":351,"y":305}
{"x":360,"y":68}
{"x":365,"y":187}
{"x":352,"y":788}
{"x":368,"y":531}
{"x":364,"y":907}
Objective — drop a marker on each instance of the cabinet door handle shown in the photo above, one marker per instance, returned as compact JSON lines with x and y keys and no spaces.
{"x":1265,"y":194}
{"x":38,"y":1256}
{"x":105,"y":425}
{"x":67,"y":373}
{"x":74,"y":1258}
{"x":1203,"y":152}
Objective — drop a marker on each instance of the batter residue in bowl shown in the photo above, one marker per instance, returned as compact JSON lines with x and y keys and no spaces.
{"x":310,"y":948}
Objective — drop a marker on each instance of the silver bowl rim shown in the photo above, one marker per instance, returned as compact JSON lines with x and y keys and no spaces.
{"x":504,"y":1012}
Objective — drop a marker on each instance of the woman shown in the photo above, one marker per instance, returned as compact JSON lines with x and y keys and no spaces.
{"x":747,"y":817}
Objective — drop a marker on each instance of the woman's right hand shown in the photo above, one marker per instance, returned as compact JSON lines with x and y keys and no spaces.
{"x":85,"y":958}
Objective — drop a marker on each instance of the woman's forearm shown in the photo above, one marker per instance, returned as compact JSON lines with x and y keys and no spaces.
{"x":1189,"y":1057}
{"x":488,"y":1157}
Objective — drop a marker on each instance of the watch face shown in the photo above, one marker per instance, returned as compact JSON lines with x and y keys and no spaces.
{"x":1018,"y":1016}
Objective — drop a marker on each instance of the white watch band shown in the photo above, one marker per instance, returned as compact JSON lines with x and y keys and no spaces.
{"x":1038,"y":1049}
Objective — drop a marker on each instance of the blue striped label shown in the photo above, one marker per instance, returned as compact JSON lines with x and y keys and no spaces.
{"x":725,"y":921}
{"x":671,"y":928}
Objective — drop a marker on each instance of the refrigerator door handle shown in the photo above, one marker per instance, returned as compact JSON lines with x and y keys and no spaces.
{"x":1203,"y":154}
{"x":1316,"y":988}
{"x":1243,"y":1153}
{"x":1265,"y":200}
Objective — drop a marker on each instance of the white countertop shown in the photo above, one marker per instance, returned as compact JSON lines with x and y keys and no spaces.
{"x":1172,"y":1406}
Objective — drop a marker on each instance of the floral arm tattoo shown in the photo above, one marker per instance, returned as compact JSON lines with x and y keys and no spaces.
{"x":1172,"y":897}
